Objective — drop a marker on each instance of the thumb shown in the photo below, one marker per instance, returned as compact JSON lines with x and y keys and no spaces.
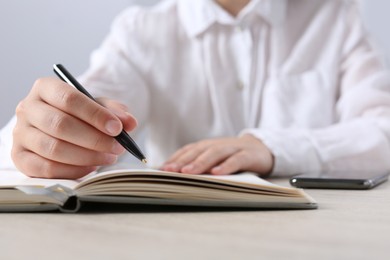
{"x":121,"y":111}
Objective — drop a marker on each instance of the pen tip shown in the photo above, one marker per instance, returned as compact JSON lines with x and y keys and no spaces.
{"x":144,"y":161}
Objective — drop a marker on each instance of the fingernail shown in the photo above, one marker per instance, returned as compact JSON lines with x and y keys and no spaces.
{"x":188,"y":168}
{"x":113,"y":127}
{"x":132,"y":118}
{"x":216,"y":170}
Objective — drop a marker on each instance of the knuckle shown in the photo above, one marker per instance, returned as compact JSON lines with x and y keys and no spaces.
{"x":122,"y":106}
{"x":196,"y":150}
{"x":188,"y":147}
{"x":234,"y":161}
{"x":208,"y":142}
{"x":69,"y":98}
{"x":47,"y":169}
{"x":240,"y":160}
{"x":97,"y":114}
{"x":58,"y":122}
{"x":244,"y":156}
{"x":182,"y":161}
{"x":106,"y":102}
{"x":38,"y":83}
{"x":20,"y":108}
{"x":51,"y":147}
{"x":15,"y":156}
{"x":100,"y":142}
{"x":16,"y":145}
{"x":216,"y":150}
{"x":16,"y":132}
{"x":201,"y":162}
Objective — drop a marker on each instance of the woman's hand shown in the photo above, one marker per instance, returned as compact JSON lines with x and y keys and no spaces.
{"x":61,"y":133}
{"x":222,"y":156}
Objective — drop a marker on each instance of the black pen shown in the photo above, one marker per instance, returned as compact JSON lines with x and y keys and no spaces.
{"x":123,"y":138}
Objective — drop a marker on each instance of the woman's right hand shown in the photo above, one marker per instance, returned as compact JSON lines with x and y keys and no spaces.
{"x":61,"y":133}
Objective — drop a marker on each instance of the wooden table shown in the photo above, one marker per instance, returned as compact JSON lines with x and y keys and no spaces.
{"x":347,"y":225}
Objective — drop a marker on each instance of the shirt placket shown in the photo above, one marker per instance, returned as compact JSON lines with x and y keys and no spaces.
{"x":243,"y":48}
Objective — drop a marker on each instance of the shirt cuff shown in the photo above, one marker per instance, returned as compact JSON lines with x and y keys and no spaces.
{"x":6,"y":162}
{"x":292,"y":149}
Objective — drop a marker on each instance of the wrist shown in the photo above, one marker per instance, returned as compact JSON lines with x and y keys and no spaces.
{"x":263,"y":158}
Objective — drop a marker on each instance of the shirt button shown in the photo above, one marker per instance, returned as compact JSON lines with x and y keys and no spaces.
{"x":239,"y":28}
{"x":240,"y":85}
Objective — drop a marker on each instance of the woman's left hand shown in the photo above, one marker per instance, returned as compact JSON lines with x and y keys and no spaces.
{"x":222,"y":156}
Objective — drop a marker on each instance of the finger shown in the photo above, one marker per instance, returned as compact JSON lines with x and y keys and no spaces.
{"x":170,"y":164}
{"x":184,"y":157}
{"x":231,"y":165}
{"x":36,"y":166}
{"x":179,"y":153}
{"x":129,"y":122}
{"x":63,"y":152}
{"x":66,"y":98}
{"x":72,"y":130}
{"x":172,"y":161}
{"x":106,"y":102}
{"x":208,"y":159}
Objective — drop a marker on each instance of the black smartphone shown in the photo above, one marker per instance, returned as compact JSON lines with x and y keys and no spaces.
{"x":339,"y":180}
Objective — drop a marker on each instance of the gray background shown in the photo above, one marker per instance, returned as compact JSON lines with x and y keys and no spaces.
{"x":36,"y":34}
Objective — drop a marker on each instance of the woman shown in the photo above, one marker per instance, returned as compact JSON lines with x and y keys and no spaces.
{"x":270,"y":86}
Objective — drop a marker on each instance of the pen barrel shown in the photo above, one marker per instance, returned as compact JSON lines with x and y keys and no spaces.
{"x":66,"y":76}
{"x":124,"y":139}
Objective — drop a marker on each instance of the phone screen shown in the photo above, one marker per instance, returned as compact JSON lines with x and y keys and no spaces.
{"x":339,"y":180}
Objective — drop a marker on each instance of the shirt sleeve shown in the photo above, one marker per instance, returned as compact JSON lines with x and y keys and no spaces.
{"x":360,"y":140}
{"x":6,"y":162}
{"x":117,"y":69}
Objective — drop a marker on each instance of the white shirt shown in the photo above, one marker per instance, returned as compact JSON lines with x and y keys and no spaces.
{"x":300,"y":75}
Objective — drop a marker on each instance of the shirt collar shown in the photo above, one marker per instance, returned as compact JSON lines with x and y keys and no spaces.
{"x":198,"y":15}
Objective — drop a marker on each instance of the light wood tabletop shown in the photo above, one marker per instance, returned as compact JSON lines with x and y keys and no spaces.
{"x":347,"y":225}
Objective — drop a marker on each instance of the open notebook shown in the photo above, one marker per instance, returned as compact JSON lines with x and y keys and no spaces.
{"x":244,"y":190}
